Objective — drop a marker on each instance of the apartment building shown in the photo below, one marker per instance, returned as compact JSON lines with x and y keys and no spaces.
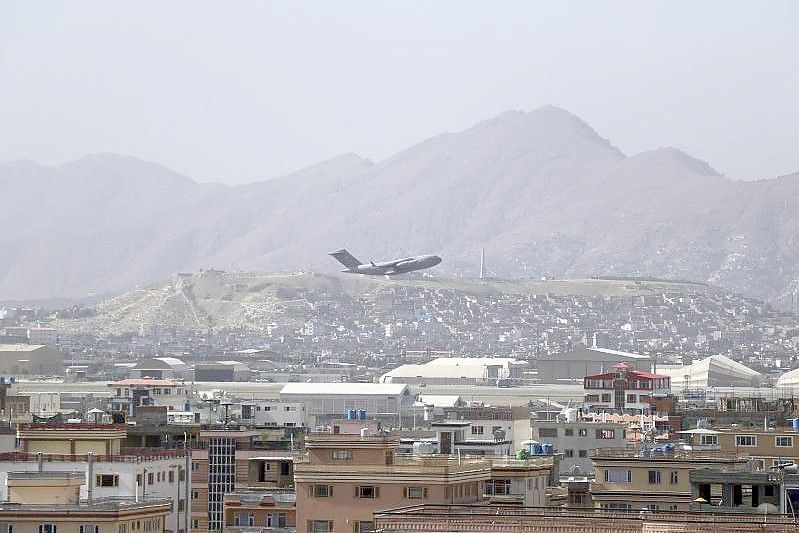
{"x":766,"y":447}
{"x":344,"y":479}
{"x":720,"y":491}
{"x":230,"y":461}
{"x":652,"y":479}
{"x":260,"y":511}
{"x":50,"y":502}
{"x":128,"y":394}
{"x":575,"y":438}
{"x":273,"y":414}
{"x":495,"y":519}
{"x":107,"y":469}
{"x":521,"y":482}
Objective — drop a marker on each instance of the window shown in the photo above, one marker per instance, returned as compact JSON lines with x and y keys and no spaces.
{"x":123,"y":528}
{"x":768,"y":491}
{"x":167,"y":391}
{"x":106,"y":480}
{"x":631,"y":398}
{"x":195,"y":494}
{"x":498,"y":487}
{"x":389,"y":458}
{"x":783,"y":441}
{"x":6,"y":527}
{"x":414,"y":493}
{"x":606,"y":434}
{"x":341,"y":454}
{"x":367,"y":491}
{"x":673,"y":478}
{"x":582,"y":433}
{"x":616,"y":506}
{"x":568,"y":453}
{"x":746,"y":440}
{"x":320,"y":491}
{"x":195,"y":523}
{"x":47,"y":528}
{"x":583,"y":453}
{"x":654,"y":477}
{"x":320,"y":526}
{"x":150,"y":478}
{"x":618,"y":475}
{"x":606,"y":398}
{"x":89,"y":528}
{"x":364,"y":527}
{"x":709,"y":440}
{"x":171,"y":476}
{"x":653,"y":507}
{"x":548,"y":432}
{"x":568,"y":432}
{"x":592,"y":398}
{"x":181,"y":505}
{"x":477,"y":430}
{"x":181,"y":474}
{"x":195,"y":466}
{"x":672,"y":507}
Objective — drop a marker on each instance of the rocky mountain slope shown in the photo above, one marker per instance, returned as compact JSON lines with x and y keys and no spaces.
{"x":541,"y":191}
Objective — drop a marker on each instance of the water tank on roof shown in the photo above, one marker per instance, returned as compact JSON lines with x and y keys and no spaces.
{"x":795,"y":424}
{"x":352,"y":414}
{"x":499,"y":434}
{"x":424,"y":447}
{"x":548,"y":448}
{"x":536,"y":449}
{"x":365,"y":432}
{"x":362,"y":414}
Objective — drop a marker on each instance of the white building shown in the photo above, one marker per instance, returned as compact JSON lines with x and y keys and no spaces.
{"x":456,"y":371}
{"x":273,"y":414}
{"x":713,"y":371}
{"x":95,"y":450}
{"x":131,"y":393}
{"x":327,"y":401}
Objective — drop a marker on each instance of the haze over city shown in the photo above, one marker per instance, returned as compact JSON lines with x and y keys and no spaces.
{"x":399,"y":267}
{"x":245,"y":91}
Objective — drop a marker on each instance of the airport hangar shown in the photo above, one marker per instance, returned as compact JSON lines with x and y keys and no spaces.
{"x":583,"y":361}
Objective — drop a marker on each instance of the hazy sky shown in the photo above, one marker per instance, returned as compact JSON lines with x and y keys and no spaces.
{"x":242,"y":91}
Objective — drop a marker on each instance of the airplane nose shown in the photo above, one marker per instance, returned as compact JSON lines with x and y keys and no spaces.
{"x":436,"y":260}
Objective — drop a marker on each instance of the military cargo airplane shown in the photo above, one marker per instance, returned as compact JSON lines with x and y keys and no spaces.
{"x":385,"y":268}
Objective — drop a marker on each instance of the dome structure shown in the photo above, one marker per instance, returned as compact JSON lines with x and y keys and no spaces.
{"x":713,"y":371}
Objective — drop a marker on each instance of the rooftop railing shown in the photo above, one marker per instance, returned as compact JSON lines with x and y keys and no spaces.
{"x":130,"y":455}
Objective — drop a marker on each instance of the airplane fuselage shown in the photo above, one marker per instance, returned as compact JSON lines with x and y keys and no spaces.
{"x":398,"y":266}
{"x":385,"y":268}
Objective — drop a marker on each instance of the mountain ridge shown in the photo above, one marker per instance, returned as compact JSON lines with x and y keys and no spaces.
{"x":541,"y":191}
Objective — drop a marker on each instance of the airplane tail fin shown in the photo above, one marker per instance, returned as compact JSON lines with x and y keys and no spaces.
{"x":346,"y":259}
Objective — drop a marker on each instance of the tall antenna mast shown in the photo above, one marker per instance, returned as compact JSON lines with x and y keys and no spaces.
{"x":482,"y":263}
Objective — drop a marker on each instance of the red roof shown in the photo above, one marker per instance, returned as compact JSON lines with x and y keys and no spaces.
{"x":632,"y":374}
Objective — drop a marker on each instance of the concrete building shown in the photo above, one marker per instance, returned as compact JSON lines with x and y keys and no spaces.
{"x":624,"y":390}
{"x":573,"y":366}
{"x":131,"y":393}
{"x":719,"y":491}
{"x":50,"y":502}
{"x":260,"y":512}
{"x":764,"y":447}
{"x":425,"y":518}
{"x":346,"y":479}
{"x":521,"y":482}
{"x":30,"y":360}
{"x":273,"y":414}
{"x":94,"y":452}
{"x":629,"y":480}
{"x":576,"y":438}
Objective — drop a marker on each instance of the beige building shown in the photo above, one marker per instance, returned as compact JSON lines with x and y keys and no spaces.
{"x":628,"y":480}
{"x":49,"y":502}
{"x":345,"y":479}
{"x":71,"y":439}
